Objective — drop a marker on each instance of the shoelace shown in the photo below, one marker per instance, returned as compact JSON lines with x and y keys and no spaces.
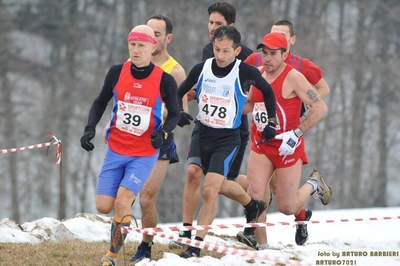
{"x":303,"y":230}
{"x":320,"y":193}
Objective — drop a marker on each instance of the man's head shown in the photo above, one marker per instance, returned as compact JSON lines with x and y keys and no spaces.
{"x":226,"y":45}
{"x":141,"y":44}
{"x":220,"y":13}
{"x":274,"y":46}
{"x":286,"y":28}
{"x":162,"y":27}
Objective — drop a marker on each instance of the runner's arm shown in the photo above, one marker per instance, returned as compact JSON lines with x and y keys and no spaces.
{"x":168,"y":94}
{"x":100,"y":103}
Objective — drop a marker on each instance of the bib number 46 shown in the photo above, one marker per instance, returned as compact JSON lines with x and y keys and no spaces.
{"x":261,"y":118}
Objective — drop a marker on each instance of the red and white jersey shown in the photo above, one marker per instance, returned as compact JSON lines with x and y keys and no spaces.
{"x":137,"y":112}
{"x":287,"y":110}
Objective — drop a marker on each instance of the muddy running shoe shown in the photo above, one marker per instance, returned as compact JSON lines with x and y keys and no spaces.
{"x":301,"y":230}
{"x":108,"y":261}
{"x":176,"y":245}
{"x":141,"y":254}
{"x":247,"y":238}
{"x":190,"y":252}
{"x":323,"y":192}
{"x":252,"y":217}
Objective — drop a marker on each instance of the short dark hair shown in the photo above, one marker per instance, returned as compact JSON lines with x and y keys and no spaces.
{"x":284,"y":22}
{"x":226,"y":9}
{"x":168,"y":22}
{"x":228,"y":32}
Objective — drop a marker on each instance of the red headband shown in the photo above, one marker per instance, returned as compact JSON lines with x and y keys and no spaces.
{"x":142,"y":37}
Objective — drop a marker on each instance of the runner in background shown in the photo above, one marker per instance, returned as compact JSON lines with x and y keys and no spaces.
{"x":314,"y":75}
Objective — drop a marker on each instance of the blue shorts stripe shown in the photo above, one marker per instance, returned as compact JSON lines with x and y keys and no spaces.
{"x":228,"y":161}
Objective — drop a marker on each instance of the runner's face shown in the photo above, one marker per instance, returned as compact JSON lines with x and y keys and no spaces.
{"x":215,"y":21}
{"x":158,"y":27}
{"x":224,"y":52}
{"x":140,"y":52}
{"x":272,"y":59}
{"x":285,"y":31}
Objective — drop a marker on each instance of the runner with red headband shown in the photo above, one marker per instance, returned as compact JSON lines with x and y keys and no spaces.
{"x":139,"y":91}
{"x":141,"y":37}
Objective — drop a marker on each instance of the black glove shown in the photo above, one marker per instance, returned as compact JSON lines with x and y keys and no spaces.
{"x":88,"y":135}
{"x":157,"y":139}
{"x":184,"y":119}
{"x":269,"y":131}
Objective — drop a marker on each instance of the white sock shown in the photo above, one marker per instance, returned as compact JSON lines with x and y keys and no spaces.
{"x":263,"y":247}
{"x":313,"y":183}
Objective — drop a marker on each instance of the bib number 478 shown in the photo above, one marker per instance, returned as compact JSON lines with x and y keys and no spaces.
{"x":211,"y":110}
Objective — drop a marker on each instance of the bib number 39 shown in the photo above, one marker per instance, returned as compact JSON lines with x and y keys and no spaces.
{"x":133,"y":118}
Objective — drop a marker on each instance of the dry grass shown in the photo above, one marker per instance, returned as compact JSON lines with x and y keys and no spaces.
{"x":73,"y":253}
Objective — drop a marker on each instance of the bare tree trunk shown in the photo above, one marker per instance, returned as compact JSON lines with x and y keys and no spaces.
{"x":10,"y":135}
{"x":9,"y":132}
{"x":358,"y":105}
{"x":380,"y":182}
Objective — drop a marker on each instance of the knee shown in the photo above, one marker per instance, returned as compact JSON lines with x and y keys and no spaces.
{"x":287,"y":209}
{"x":102,"y":208}
{"x":147,"y":200}
{"x":194,"y":173}
{"x":121,"y":204}
{"x":209,"y":193}
{"x":256,"y":192}
{"x":243,"y":182}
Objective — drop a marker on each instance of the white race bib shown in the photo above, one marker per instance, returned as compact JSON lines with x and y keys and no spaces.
{"x":260,"y":116}
{"x":133,"y":118}
{"x":215,"y":110}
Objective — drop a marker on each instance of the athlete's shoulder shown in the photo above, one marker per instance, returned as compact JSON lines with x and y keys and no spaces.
{"x":115,"y":68}
{"x":179,"y":73}
{"x":293,"y":75}
{"x":247,"y":67}
{"x":114,"y":71}
{"x":168,"y":83}
{"x":207,"y":52}
{"x":308,"y":62}
{"x":301,"y":60}
{"x":199,"y":66}
{"x":252,"y":59}
{"x":245,"y":52}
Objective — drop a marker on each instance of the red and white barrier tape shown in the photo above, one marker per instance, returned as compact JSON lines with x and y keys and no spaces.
{"x":160,"y":231}
{"x":57,"y":157}
{"x":224,"y":249}
{"x":177,"y":228}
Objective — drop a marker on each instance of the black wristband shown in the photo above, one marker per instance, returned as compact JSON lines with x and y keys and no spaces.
{"x":298,"y":132}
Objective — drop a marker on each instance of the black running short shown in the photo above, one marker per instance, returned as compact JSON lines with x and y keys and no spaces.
{"x":194,"y":149}
{"x":218,"y":148}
